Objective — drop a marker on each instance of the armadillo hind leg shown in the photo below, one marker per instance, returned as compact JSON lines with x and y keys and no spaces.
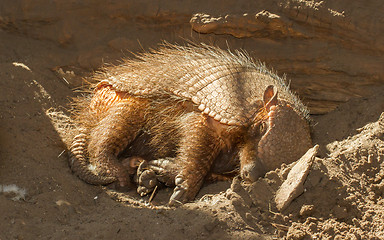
{"x":198,"y":148}
{"x":112,"y":135}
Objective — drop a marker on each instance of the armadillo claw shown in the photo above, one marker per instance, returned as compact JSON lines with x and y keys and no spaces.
{"x":178,"y":197}
{"x":182,"y":193}
{"x":143,"y":166}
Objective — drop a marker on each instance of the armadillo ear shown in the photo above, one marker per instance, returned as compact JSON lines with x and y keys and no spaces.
{"x":270,"y":97}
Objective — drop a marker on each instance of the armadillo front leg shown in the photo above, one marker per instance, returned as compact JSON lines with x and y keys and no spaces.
{"x":198,"y":148}
{"x":112,"y":135}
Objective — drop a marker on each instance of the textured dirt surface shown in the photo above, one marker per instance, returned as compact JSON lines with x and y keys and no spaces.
{"x":44,"y":55}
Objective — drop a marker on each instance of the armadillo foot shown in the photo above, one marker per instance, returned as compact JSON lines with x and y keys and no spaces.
{"x":146,"y":179}
{"x":166,"y":170}
{"x":147,"y":182}
{"x":150,"y":173}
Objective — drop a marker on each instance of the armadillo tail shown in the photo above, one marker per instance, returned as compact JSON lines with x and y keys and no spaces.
{"x":79,"y":164}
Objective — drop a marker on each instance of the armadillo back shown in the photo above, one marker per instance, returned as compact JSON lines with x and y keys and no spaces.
{"x":226,"y":86}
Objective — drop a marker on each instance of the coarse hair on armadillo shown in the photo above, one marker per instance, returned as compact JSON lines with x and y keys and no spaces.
{"x":228,"y":86}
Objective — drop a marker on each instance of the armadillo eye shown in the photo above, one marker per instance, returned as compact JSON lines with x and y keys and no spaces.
{"x":263,"y":128}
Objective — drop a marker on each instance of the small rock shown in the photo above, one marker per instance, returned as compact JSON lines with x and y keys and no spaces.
{"x":62,"y":203}
{"x":292,"y":187}
{"x":295,"y":234}
{"x":241,"y":192}
{"x":236,"y":185}
{"x":273,"y":179}
{"x":237,"y":201}
{"x":261,"y":193}
{"x":306,"y":210}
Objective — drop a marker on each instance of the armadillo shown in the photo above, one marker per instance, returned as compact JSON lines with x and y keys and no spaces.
{"x":178,"y":114}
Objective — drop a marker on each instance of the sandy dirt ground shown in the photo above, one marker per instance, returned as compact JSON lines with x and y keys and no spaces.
{"x":343,"y":194}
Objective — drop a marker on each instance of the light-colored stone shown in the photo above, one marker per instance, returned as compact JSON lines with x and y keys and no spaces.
{"x":292,"y":187}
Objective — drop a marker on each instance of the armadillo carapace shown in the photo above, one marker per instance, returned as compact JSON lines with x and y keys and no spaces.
{"x":183,"y":113}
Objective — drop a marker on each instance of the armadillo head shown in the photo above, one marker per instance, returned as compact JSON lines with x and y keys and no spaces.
{"x":283,"y":137}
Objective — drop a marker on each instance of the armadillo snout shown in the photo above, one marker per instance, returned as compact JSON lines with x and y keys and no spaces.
{"x":251,"y":172}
